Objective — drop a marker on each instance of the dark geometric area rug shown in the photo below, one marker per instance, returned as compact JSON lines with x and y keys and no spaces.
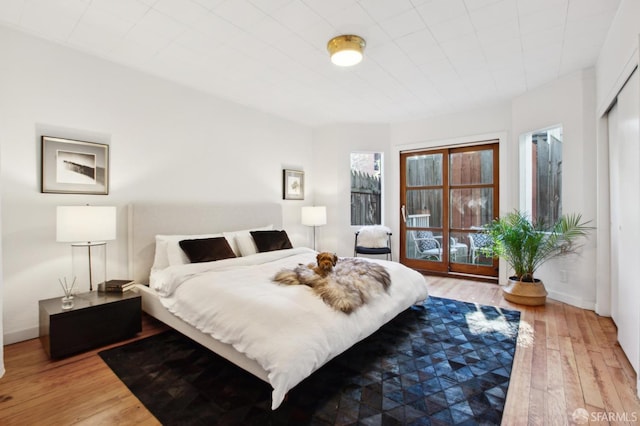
{"x":442,"y":362}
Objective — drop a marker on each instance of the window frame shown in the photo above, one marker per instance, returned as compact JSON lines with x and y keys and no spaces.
{"x":525,"y":162}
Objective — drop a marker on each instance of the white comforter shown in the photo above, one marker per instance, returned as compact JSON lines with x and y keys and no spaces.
{"x":288,"y":330}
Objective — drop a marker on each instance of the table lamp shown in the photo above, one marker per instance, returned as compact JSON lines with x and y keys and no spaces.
{"x":314,"y":216}
{"x":87,"y":227}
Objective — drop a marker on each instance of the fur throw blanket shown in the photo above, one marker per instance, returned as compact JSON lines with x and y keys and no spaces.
{"x":373,"y":236}
{"x":349,"y":285}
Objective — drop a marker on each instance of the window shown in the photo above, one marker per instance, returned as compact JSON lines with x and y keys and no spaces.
{"x":541,"y":174}
{"x":366,"y":188}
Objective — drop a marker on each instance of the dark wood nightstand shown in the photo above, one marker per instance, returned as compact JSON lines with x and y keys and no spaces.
{"x":96,"y":319}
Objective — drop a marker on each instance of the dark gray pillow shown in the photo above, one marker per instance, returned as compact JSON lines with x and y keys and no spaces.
{"x":207,"y":249}
{"x":271,"y":240}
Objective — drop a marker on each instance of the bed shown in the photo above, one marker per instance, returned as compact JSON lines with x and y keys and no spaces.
{"x":281,"y":334}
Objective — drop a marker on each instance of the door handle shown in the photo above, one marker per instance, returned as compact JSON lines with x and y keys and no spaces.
{"x":404,"y":213}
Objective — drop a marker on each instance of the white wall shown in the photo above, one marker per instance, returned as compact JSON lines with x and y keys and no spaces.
{"x":619,"y":53}
{"x":489,"y":123}
{"x":332,"y":146}
{"x":569,"y":101}
{"x":167,"y":143}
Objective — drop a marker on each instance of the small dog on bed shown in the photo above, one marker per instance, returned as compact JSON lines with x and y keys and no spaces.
{"x":325,"y":263}
{"x":344,"y":284}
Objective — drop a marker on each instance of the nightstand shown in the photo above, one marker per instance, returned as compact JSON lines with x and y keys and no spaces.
{"x":95,"y":320}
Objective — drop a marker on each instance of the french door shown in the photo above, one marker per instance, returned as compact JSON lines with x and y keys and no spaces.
{"x":447,"y":196}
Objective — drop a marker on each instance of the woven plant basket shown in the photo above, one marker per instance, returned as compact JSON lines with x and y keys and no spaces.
{"x":523,"y":293}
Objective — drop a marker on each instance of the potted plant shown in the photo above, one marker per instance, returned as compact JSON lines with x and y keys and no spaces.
{"x":525,"y":245}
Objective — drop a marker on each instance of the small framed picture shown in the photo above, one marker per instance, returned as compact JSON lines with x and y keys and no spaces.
{"x":74,"y":167}
{"x":292,"y":185}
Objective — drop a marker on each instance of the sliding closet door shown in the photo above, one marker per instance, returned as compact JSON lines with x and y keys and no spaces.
{"x":624,"y":157}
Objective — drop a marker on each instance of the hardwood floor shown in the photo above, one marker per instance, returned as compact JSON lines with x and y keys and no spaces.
{"x":567,"y":359}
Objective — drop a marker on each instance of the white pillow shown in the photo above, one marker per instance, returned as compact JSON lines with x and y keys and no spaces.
{"x":241,"y":242}
{"x":160,"y":259}
{"x":373,"y":236}
{"x":168,"y":251}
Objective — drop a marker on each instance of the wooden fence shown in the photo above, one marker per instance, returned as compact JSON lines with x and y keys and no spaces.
{"x":547,"y":179}
{"x":366,"y":205}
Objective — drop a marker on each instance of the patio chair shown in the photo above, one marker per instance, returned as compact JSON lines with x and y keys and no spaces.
{"x":477,"y":242}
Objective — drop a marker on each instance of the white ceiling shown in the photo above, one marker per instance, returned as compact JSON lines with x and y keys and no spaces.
{"x":423,"y":57}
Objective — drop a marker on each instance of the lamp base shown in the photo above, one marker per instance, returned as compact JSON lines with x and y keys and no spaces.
{"x":89,"y":264}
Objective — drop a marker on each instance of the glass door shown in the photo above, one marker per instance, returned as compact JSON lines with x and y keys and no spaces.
{"x":473,"y":200}
{"x":424,"y":209}
{"x":447,"y":197}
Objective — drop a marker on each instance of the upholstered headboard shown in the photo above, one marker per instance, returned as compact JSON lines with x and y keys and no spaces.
{"x":148,"y":220}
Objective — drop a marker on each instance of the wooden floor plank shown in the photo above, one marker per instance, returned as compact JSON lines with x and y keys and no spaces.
{"x":590,"y":389}
{"x":610,"y":397}
{"x":574,"y":398}
{"x":600,"y":336}
{"x":517,"y":403}
{"x":539,"y":360}
{"x":625,"y":365}
{"x":564,"y":356}
{"x":562,"y":328}
{"x":551,"y":315}
{"x":555,"y":401}
{"x":626,"y":392}
{"x":536,"y":408}
{"x":585,"y":330}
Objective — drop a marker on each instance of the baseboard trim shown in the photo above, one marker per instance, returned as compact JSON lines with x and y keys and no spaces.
{"x":20,"y":336}
{"x":571,"y":300}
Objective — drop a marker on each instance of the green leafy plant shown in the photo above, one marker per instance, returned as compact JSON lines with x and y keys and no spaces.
{"x":525,"y":244}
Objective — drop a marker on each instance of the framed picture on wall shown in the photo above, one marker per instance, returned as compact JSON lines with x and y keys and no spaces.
{"x":292,"y":185}
{"x":74,"y":167}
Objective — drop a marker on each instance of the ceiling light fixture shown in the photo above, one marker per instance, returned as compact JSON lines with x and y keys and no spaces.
{"x":346,"y":50}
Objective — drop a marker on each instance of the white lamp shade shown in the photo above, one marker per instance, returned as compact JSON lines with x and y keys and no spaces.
{"x":85,"y":224}
{"x":314,"y":216}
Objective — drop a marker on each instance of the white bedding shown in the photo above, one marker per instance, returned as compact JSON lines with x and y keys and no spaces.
{"x":288,"y":330}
